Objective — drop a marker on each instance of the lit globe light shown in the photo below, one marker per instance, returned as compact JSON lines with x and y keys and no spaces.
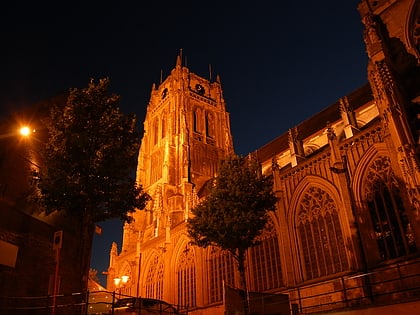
{"x":25,"y":131}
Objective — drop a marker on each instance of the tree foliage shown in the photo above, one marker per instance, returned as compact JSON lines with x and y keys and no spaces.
{"x":90,"y":157}
{"x":236,"y":209}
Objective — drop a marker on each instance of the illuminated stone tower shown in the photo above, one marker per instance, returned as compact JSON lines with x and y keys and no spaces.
{"x":186,"y":132}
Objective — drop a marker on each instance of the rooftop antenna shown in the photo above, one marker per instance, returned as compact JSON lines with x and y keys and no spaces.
{"x":161,"y":75}
{"x":180,"y":54}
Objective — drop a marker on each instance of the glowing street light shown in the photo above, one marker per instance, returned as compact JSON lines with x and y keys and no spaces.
{"x":117,"y":281}
{"x":25,"y":131}
{"x":120,"y":283}
{"x":125,"y":279}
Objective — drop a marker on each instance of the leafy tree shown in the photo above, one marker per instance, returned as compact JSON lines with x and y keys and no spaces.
{"x":235,"y":211}
{"x":88,"y":162}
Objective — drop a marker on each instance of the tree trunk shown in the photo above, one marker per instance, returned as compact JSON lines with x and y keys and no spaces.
{"x":242,"y":280}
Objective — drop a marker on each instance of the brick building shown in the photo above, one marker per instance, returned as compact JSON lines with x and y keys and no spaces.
{"x":30,"y":242}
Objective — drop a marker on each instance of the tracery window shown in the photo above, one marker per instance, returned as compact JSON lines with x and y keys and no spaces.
{"x":265,"y":261}
{"x":196,"y":121}
{"x":209,"y":125}
{"x":154,"y":279}
{"x":220,"y":269}
{"x":126,"y":271}
{"x":155,"y":131}
{"x":415,"y":28}
{"x":320,"y":234}
{"x":163,"y":123}
{"x":186,"y":276}
{"x":392,"y":228}
{"x":156,"y":161}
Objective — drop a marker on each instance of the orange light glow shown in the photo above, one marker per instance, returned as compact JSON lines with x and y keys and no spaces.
{"x":117,"y":281}
{"x":125,"y":279}
{"x":25,"y":131}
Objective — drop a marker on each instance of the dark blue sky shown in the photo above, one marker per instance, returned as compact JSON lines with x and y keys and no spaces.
{"x":279,"y":62}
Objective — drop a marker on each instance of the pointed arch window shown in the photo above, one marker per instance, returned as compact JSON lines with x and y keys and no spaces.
{"x":209,"y":125}
{"x":155,"y":131}
{"x":154,"y":279}
{"x":220,"y":269}
{"x":265,"y":261}
{"x":196,"y":121}
{"x":163,"y":124}
{"x":186,"y":278}
{"x":392,"y":228}
{"x":320,"y":235}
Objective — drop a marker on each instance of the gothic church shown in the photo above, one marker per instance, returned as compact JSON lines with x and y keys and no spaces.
{"x":346,"y":232}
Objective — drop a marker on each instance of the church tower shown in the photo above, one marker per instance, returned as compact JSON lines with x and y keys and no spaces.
{"x":186,"y":133}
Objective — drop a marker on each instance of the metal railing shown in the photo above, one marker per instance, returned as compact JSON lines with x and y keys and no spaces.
{"x":387,"y":285}
{"x":89,"y":303}
{"x":391,"y":284}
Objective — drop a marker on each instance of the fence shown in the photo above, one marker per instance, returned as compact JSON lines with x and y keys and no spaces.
{"x":388,"y":285}
{"x":93,"y":302}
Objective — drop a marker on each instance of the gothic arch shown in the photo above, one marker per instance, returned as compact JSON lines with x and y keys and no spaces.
{"x":220,"y":267}
{"x":209,"y":124}
{"x":381,"y":207}
{"x":164,"y":124}
{"x":317,"y":231}
{"x":153,"y":275}
{"x":155,"y":129}
{"x":309,"y":180}
{"x":126,"y":270}
{"x":357,"y":179}
{"x":197,"y":119}
{"x":412,"y":28}
{"x":184,"y":262}
{"x":265,"y":270}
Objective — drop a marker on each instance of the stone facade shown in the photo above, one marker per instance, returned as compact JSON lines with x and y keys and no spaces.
{"x":346,"y":233}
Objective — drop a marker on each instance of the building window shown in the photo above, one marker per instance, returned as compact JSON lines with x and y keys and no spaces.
{"x":154,"y":279}
{"x":196,"y":121}
{"x":155,"y":167}
{"x":220,"y":271}
{"x":320,"y":235}
{"x":265,"y":261}
{"x":393,"y":232}
{"x":163,"y":126}
{"x":209,"y":125}
{"x":186,"y":276}
{"x":155,"y":131}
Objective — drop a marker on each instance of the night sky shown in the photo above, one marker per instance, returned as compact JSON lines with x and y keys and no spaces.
{"x":279,"y":62}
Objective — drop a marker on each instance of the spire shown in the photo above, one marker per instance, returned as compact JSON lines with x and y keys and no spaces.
{"x":179,"y":58}
{"x":297,"y":154}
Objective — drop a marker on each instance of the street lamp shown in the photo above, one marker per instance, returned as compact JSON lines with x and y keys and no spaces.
{"x":117,"y":282}
{"x":120,"y":283}
{"x":124,"y":279}
{"x":25,"y":131}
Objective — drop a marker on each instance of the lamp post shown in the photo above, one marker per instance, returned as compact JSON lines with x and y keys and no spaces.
{"x":120,"y":283}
